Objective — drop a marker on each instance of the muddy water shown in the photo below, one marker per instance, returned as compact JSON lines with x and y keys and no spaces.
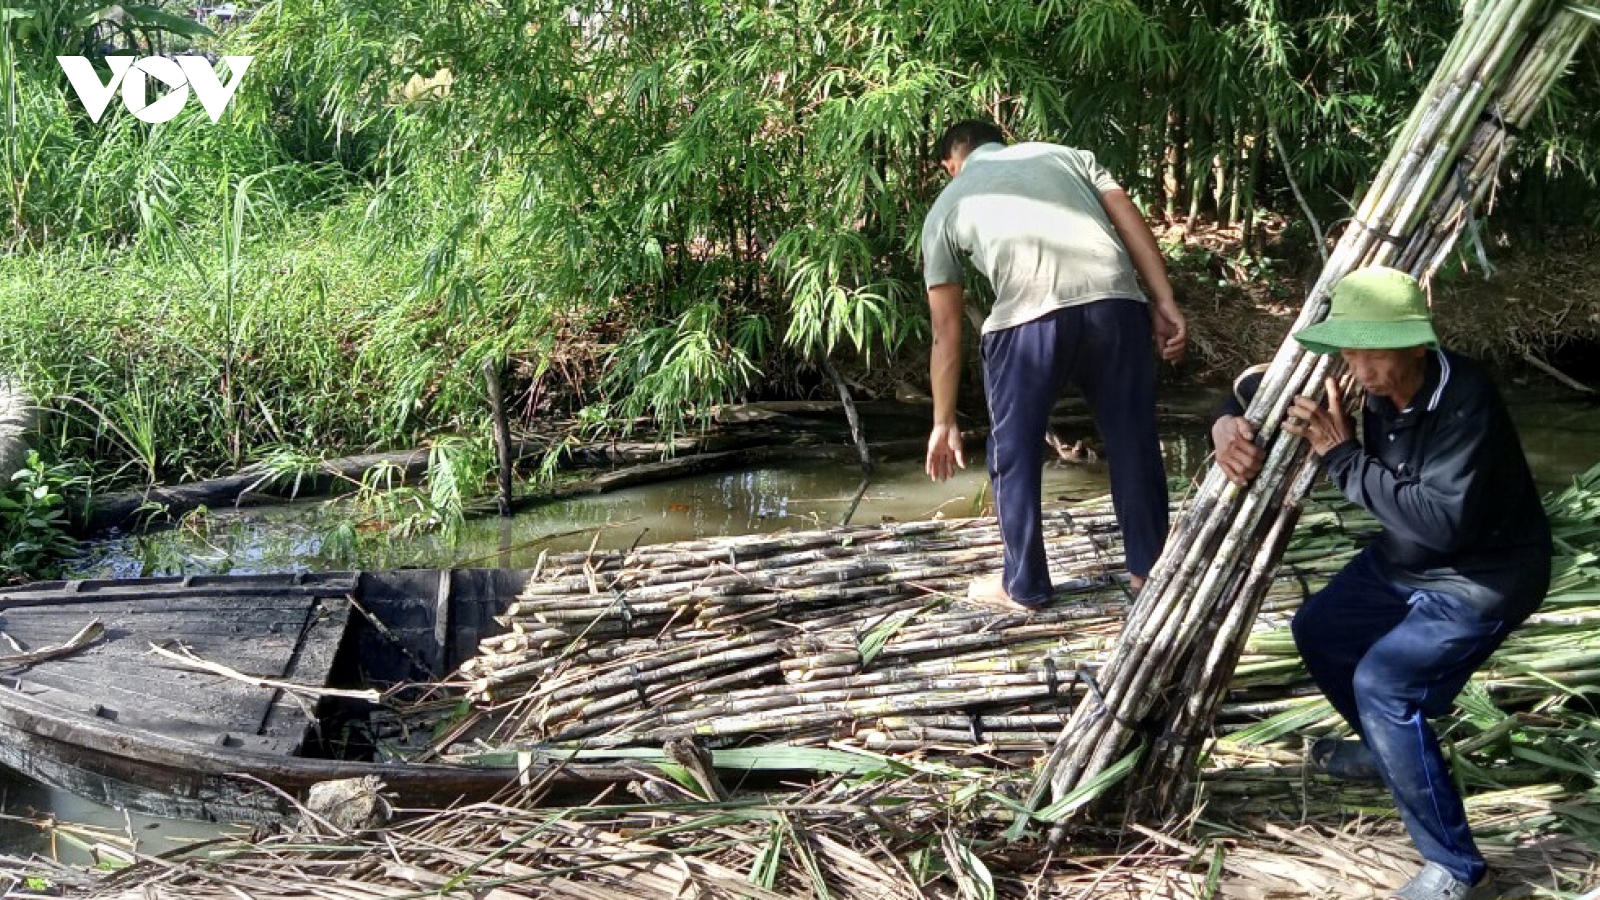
{"x":1561,"y":435}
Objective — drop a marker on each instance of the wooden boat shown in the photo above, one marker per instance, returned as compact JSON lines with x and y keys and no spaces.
{"x":124,"y":725}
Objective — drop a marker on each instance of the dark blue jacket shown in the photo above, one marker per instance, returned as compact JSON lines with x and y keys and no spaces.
{"x":1448,"y":481}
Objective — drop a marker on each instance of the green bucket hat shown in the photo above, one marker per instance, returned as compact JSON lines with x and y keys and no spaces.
{"x":1376,"y":308}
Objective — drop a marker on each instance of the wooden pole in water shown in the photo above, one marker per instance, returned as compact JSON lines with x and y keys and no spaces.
{"x":502,"y":433}
{"x":850,"y":413}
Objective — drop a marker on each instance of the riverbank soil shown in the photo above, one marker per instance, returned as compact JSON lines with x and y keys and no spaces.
{"x":1541,"y":301}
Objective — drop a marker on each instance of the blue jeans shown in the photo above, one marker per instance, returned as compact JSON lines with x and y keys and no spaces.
{"x":1104,"y":348}
{"x":1388,"y":658}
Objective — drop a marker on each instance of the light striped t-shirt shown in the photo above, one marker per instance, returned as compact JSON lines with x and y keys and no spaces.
{"x":1030,"y":218}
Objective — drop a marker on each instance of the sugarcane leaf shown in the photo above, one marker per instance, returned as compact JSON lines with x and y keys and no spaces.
{"x":1094,"y":788}
{"x":926,"y":864}
{"x":1219,"y":854}
{"x":875,"y":640}
{"x":764,"y":870}
{"x":724,"y":817}
{"x":1581,"y":812}
{"x":678,"y":774}
{"x":1022,"y":813}
{"x":1310,"y":712}
{"x":1571,"y":691}
{"x":1478,"y":707}
{"x":769,"y":757}
{"x":972,"y":877}
{"x":1589,"y":836}
{"x":967,"y":793}
{"x":808,"y":861}
{"x":1592,"y":13}
{"x":507,"y":848}
{"x":1552,"y":762}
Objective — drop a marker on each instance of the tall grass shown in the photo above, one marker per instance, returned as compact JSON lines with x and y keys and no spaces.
{"x":180,"y":368}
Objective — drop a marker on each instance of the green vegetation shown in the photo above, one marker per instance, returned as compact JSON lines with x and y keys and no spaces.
{"x":33,"y":520}
{"x":642,"y":210}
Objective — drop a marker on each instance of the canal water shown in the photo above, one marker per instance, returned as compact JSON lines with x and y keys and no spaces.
{"x":1560,"y":433}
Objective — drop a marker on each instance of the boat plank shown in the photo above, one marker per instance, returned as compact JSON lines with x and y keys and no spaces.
{"x":192,"y":605}
{"x":166,"y":681}
{"x":133,"y":698}
{"x":119,"y":723}
{"x":256,"y":655}
{"x":258,"y":636}
{"x":310,"y":663}
{"x":119,"y":632}
{"x":25,"y":599}
{"x":167,"y":723}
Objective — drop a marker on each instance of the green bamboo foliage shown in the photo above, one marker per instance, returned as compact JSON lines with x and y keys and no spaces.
{"x":649,"y":208}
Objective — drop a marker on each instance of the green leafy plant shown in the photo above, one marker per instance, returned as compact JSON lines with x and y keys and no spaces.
{"x":34,"y":528}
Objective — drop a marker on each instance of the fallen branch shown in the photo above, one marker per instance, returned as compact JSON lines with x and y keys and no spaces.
{"x":86,"y":635}
{"x":186,"y":658}
{"x":1557,"y":374}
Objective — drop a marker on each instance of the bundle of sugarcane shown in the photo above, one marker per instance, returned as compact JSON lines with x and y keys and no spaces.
{"x":1550,"y":658}
{"x":1175,"y":657}
{"x":730,"y":583}
{"x":920,"y":673}
{"x":852,"y":665}
{"x":737,"y":585}
{"x":799,"y":657}
{"x":887,"y":827}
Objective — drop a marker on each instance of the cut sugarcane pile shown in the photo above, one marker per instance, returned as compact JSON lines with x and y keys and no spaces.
{"x":793,"y":633}
{"x":860,"y":636}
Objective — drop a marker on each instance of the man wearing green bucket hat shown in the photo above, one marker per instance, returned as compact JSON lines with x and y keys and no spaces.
{"x":1463,"y":556}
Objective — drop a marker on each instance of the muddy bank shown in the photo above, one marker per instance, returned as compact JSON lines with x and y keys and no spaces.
{"x":1539,"y":308}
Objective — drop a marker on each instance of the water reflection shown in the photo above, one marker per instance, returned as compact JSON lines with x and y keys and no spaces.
{"x":57,"y":825}
{"x":295,"y":537}
{"x":1562,"y":438}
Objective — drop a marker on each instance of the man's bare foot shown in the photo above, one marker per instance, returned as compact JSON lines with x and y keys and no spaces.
{"x":1135,"y":582}
{"x":990,"y":591}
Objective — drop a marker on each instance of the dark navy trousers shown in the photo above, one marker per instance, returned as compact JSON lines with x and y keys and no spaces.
{"x":1389,"y":657}
{"x":1105,"y":349}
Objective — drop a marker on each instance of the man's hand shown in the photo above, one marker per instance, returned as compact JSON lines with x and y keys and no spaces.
{"x":1325,"y":427}
{"x":1237,"y":454}
{"x":944,"y":452}
{"x":1171,"y":331}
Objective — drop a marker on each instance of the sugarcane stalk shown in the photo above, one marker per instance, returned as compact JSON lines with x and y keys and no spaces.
{"x":1183,"y":594}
